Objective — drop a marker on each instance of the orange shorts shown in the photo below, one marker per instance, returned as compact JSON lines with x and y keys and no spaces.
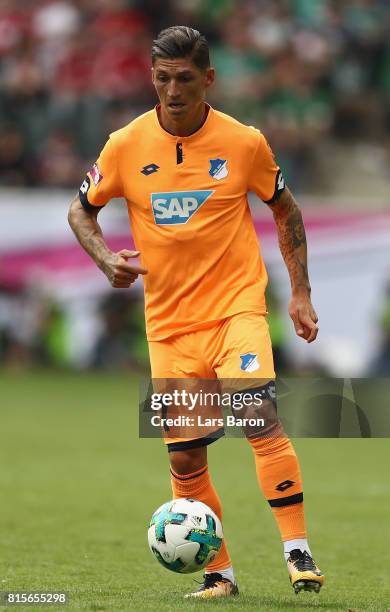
{"x":237,"y":351}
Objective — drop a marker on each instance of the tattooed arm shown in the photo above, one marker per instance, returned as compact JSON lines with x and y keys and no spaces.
{"x":292,"y":243}
{"x":87,"y":231}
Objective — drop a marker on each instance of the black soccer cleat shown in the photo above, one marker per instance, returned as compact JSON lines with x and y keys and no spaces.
{"x":305,"y":575}
{"x":215,"y":585}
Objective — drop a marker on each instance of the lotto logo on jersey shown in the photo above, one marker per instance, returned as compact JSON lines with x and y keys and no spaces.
{"x":177,"y":207}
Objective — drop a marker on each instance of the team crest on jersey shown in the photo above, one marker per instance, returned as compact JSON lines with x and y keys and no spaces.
{"x":95,"y":174}
{"x":249,"y":362}
{"x":218,"y":168}
{"x":177,"y":207}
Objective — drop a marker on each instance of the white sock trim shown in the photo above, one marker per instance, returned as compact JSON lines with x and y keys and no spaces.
{"x":226,"y":573}
{"x":300,"y":543}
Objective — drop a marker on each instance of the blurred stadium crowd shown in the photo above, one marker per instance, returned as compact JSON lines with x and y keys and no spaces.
{"x":71,"y":71}
{"x":38,"y":331}
{"x":313,"y":74}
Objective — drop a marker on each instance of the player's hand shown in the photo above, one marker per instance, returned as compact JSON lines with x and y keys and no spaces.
{"x":303,"y":316}
{"x":119,"y":271}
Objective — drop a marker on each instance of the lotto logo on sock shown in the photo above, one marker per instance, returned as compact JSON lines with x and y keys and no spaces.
{"x":283,"y":486}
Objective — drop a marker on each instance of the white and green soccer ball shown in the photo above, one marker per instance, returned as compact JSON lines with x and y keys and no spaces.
{"x":185,"y":535}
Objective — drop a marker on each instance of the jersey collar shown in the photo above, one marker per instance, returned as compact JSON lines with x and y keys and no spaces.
{"x":193,"y":137}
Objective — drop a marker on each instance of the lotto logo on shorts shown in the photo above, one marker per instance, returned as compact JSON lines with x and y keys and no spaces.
{"x":177,"y":207}
{"x":249,"y":362}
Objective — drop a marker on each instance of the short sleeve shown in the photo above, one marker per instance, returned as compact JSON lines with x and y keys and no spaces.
{"x":102,"y":182}
{"x":265,"y":177}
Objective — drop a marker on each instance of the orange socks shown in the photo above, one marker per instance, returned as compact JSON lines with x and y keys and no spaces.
{"x":279,"y":477}
{"x":198,"y":485}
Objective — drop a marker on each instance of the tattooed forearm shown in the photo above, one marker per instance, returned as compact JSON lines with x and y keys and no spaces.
{"x":87,"y":231}
{"x":292,"y":239}
{"x":296,"y":228}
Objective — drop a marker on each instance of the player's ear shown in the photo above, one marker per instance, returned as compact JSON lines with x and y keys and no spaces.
{"x":210,"y":76}
{"x":152,"y":73}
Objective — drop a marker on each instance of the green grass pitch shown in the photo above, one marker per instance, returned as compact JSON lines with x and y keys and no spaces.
{"x":77,"y":488}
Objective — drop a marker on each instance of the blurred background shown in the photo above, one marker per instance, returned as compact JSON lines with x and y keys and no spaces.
{"x":313,"y":75}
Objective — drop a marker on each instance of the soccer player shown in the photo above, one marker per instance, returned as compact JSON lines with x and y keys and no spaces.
{"x":185,"y":170}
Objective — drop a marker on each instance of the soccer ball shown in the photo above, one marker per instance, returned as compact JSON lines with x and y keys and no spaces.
{"x":185,"y":535}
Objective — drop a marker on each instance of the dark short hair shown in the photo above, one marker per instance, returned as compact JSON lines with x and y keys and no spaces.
{"x":181,"y":41}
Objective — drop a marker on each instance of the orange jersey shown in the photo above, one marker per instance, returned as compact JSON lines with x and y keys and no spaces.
{"x":189,"y":214}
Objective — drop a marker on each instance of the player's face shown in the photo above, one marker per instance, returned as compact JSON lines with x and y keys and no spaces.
{"x":181,"y":86}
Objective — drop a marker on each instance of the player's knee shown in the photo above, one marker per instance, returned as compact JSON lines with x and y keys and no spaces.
{"x":188,"y":461}
{"x":276,"y":442}
{"x":255,"y":410}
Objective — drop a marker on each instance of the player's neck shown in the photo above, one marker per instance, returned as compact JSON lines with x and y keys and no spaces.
{"x":183,"y":126}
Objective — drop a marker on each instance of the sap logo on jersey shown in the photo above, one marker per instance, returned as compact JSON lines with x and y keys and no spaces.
{"x":177,"y":207}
